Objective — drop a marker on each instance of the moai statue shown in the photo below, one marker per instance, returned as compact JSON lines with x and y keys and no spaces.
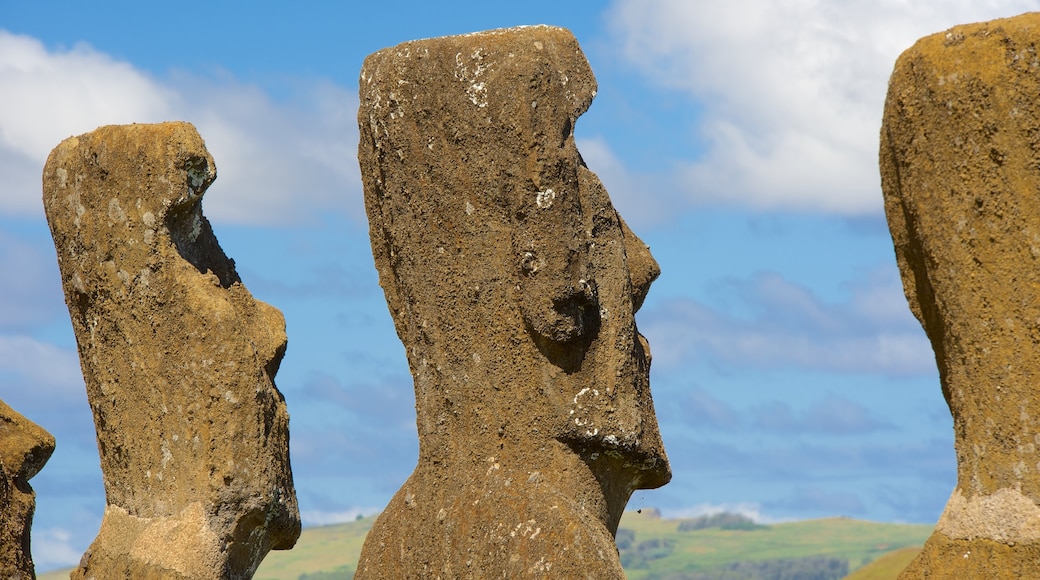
{"x":24,"y":448}
{"x":513,"y":284}
{"x":960,"y":170}
{"x":179,"y":361}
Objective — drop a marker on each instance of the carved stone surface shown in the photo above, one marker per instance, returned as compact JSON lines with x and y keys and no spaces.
{"x":178,"y":357}
{"x":24,"y":448}
{"x":513,"y":284}
{"x":960,"y":168}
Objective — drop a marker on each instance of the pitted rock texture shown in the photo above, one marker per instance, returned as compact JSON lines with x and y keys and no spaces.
{"x":959,"y":155}
{"x":513,"y":284}
{"x":179,"y":361}
{"x":24,"y":448}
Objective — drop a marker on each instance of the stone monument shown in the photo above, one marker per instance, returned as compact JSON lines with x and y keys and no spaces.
{"x":178,"y":357}
{"x":960,"y":169}
{"x":513,"y":284}
{"x":24,"y":448}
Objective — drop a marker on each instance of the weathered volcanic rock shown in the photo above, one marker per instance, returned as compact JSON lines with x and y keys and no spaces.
{"x":960,"y":168}
{"x":513,"y":284}
{"x":178,"y":357}
{"x":24,"y":448}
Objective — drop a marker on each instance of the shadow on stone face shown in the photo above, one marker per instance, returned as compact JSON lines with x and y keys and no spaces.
{"x":569,"y":354}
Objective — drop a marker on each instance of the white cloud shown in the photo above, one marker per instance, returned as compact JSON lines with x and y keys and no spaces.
{"x":278,"y":162}
{"x":790,"y":327}
{"x":53,"y":548}
{"x":46,"y":97}
{"x":792,"y":90}
{"x":641,"y":199}
{"x":52,"y":373}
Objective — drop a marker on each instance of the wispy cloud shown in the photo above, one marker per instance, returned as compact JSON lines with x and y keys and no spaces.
{"x":790,"y":460}
{"x":30,"y":290}
{"x":55,"y":548}
{"x":909,"y":500}
{"x":382,"y":402}
{"x":46,"y":97}
{"x":279,"y":162}
{"x":697,"y":408}
{"x":830,"y":416}
{"x":792,"y":91}
{"x":44,"y":371}
{"x":330,"y":280}
{"x":360,"y":430}
{"x":773,"y":323}
{"x":810,"y":477}
{"x":642,"y":199}
{"x":817,"y":500}
{"x":862,"y":479}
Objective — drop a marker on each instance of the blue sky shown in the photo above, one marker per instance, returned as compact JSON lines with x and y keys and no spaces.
{"x":737,"y":138}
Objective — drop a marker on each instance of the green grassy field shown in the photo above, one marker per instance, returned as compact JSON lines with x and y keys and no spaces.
{"x":856,"y":541}
{"x":330,"y":552}
{"x":886,"y":567}
{"x":331,"y":549}
{"x":55,"y":575}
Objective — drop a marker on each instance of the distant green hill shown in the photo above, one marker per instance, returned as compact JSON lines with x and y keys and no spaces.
{"x":653,"y":548}
{"x":712,"y":552}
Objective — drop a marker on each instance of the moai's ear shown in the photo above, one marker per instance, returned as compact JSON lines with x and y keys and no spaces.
{"x":557,"y":295}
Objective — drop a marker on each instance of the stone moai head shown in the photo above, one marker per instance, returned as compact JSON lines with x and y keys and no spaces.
{"x":179,"y":359}
{"x":959,"y":154}
{"x":512,"y":280}
{"x":24,"y":448}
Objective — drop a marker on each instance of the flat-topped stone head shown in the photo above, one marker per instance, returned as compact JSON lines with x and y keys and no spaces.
{"x":24,"y":448}
{"x":513,"y":284}
{"x":959,"y":164}
{"x":179,"y":360}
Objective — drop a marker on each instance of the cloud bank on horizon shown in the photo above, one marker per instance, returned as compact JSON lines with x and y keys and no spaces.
{"x":770,"y":397}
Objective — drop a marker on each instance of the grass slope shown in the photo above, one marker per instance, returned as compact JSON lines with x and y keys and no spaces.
{"x":55,"y":575}
{"x":334,"y":550}
{"x":886,"y":567}
{"x":322,"y":549}
{"x":331,"y":549}
{"x":700,"y":550}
